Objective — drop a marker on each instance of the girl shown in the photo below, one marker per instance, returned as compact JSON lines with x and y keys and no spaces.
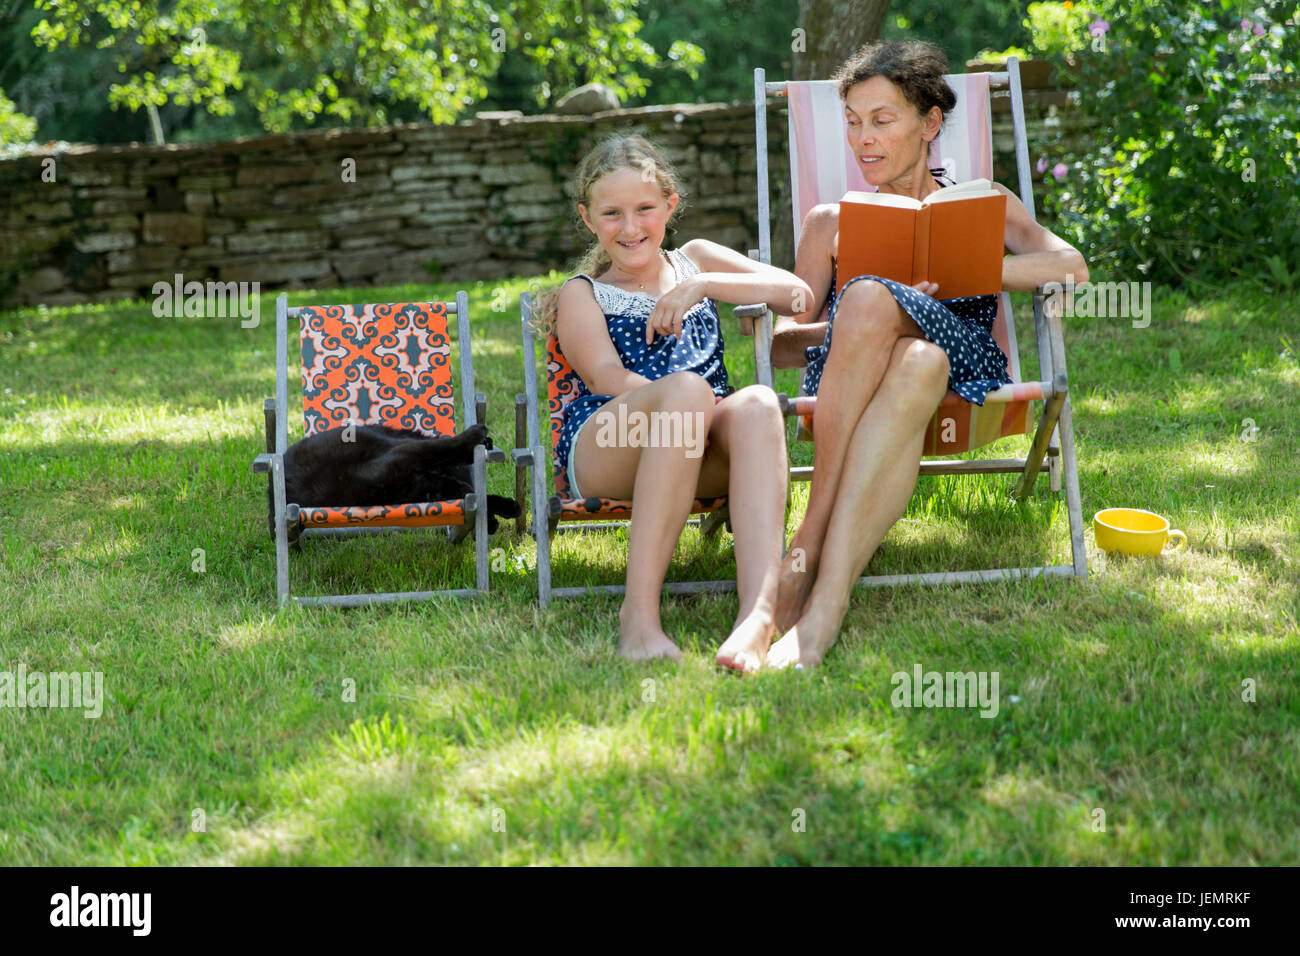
{"x":640,"y":327}
{"x":897,"y":349}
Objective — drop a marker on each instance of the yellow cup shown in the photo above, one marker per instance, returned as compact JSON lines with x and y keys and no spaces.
{"x":1135,"y":532}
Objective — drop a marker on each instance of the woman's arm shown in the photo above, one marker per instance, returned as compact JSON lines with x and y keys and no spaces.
{"x":584,"y":339}
{"x":1038,"y":255}
{"x":812,"y":263}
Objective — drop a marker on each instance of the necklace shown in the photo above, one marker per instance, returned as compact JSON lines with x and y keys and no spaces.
{"x":641,"y":285}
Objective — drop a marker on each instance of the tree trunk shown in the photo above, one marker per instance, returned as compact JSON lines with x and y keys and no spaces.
{"x":836,"y":29}
{"x":832,"y":31}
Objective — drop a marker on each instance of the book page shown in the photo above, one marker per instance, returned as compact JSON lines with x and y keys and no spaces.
{"x":882,"y":199}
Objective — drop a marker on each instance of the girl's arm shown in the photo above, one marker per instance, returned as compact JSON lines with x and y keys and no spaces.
{"x":584,"y":339}
{"x":727,"y":276}
{"x":1038,"y":255}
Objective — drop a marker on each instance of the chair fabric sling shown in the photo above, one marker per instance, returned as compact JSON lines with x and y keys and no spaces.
{"x":378,"y":365}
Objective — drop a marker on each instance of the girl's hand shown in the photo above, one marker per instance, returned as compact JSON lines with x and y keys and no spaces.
{"x":671,"y":309}
{"x":926,"y":288}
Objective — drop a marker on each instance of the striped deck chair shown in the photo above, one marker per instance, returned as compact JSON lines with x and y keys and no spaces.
{"x":822,"y":170}
{"x":551,"y":514}
{"x":375,"y":365}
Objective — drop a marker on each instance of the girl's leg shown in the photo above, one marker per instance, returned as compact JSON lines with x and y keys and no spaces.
{"x":662,"y":483}
{"x":868,"y":322}
{"x":878,"y":477}
{"x":747,"y":461}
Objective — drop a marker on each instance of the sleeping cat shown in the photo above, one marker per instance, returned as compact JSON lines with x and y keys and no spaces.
{"x":383,"y":466}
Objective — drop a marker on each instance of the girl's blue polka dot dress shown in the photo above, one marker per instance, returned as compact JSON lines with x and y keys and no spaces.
{"x":698,"y":349}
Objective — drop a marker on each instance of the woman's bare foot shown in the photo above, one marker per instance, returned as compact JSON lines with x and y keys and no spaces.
{"x":797,"y":575}
{"x":746,"y":649}
{"x":805,"y":644}
{"x":640,"y":639}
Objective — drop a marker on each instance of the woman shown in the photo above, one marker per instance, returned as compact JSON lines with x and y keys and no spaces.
{"x":897,"y":349}
{"x":640,"y":327}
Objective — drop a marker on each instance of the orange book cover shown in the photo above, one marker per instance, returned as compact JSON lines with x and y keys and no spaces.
{"x":953,"y":238}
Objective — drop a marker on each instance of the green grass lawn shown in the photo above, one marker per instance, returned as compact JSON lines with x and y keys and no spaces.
{"x":487,"y":732}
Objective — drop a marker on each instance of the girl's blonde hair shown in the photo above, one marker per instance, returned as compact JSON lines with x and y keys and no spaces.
{"x":621,"y":151}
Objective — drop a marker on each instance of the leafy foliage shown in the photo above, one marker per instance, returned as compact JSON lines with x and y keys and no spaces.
{"x":1195,"y":176}
{"x":961,"y":29}
{"x":349,"y":62}
{"x":219,"y":69}
{"x":15,"y":128}
{"x":1059,"y":27}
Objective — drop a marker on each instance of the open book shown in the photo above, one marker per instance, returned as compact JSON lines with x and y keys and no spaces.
{"x":953,"y":237}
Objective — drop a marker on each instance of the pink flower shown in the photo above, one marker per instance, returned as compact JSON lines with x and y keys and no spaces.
{"x":1041,"y":166}
{"x":1245,"y":26}
{"x":1259,"y":29}
{"x":1059,"y":171}
{"x":1098,"y":27}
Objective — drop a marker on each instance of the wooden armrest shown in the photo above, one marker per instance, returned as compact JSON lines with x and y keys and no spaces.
{"x":747,"y":314}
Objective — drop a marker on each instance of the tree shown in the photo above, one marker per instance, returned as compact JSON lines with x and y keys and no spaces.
{"x":348,"y":62}
{"x":835,"y":30}
{"x":829,"y":32}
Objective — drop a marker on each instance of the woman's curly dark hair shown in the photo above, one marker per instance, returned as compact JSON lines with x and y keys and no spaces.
{"x":914,"y":66}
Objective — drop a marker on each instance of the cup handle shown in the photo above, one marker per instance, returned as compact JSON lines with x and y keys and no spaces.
{"x":1182,"y":541}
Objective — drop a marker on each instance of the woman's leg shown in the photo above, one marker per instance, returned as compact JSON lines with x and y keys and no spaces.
{"x":879,"y":473}
{"x":662,"y":483}
{"x":868,"y":323}
{"x":747,"y":461}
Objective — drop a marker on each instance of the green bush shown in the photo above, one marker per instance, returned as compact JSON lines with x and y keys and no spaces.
{"x":1059,"y":28}
{"x":15,"y":128}
{"x":1195,"y":172}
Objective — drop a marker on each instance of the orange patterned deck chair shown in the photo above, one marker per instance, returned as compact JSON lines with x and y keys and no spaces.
{"x":389,"y":365}
{"x":822,"y":169}
{"x":549,"y":513}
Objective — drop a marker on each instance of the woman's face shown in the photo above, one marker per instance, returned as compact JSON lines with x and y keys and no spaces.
{"x":888,"y":137}
{"x":628,"y":216}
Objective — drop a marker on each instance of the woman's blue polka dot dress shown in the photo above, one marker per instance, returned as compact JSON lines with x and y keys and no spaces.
{"x":698,"y":349}
{"x":962,"y":327}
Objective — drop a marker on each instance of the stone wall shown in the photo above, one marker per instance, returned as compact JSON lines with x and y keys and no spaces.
{"x":481,"y":199}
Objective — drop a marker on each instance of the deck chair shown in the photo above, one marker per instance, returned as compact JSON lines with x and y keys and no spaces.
{"x":375,"y":365}
{"x":561,"y":511}
{"x":822,"y":169}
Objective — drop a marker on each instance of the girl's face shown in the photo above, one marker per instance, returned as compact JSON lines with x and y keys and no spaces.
{"x":628,"y":216}
{"x":888,"y":137}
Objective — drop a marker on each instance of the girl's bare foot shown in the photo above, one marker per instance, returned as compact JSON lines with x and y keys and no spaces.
{"x":640,"y":638}
{"x":798,"y":573}
{"x":746,"y":649}
{"x":805,"y":644}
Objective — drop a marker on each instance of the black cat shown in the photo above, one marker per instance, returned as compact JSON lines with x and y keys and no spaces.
{"x":383,"y":466}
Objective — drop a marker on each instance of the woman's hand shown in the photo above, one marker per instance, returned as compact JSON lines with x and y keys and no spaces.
{"x":926,"y":288}
{"x":671,"y":309}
